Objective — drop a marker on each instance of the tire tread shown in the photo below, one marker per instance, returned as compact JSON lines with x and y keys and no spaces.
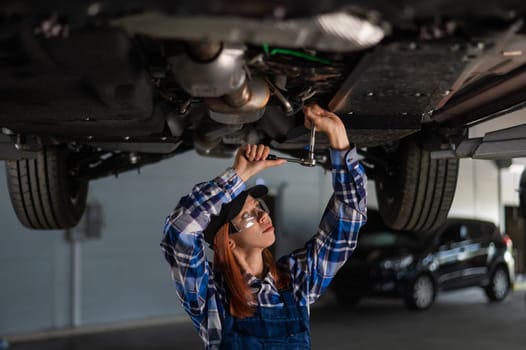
{"x":39,"y":192}
{"x":426,"y":189}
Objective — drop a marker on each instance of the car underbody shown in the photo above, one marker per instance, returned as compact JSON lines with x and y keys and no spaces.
{"x":90,"y":90}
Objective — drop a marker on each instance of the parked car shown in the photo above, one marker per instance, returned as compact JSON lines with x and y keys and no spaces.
{"x":93,"y":89}
{"x":461,"y":253}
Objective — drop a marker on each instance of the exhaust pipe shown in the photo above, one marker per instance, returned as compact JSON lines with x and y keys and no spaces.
{"x":215,"y":71}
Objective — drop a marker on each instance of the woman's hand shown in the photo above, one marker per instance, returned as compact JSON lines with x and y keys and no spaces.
{"x":251,"y":159}
{"x":329,"y":123}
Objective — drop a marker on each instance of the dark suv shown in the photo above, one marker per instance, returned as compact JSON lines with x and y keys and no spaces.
{"x":461,"y":253}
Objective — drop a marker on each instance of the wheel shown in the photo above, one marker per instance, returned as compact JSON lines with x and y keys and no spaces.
{"x":420,"y":293}
{"x":499,"y":284}
{"x":416,"y":192}
{"x":43,"y":194}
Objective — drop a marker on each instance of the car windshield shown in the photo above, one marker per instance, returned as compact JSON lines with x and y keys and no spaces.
{"x":387,"y":239}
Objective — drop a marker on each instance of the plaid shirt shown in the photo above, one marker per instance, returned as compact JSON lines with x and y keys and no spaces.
{"x":311,"y":268}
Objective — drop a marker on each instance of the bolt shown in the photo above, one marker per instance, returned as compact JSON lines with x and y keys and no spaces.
{"x":350,"y":112}
{"x":134,"y":158}
{"x":164,"y":138}
{"x":447,"y":92}
{"x":370,"y":93}
{"x":90,"y":137}
{"x":126,"y":138}
{"x":426,"y":116}
{"x":418,"y":94}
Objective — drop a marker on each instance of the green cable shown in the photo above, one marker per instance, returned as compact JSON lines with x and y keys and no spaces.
{"x":299,"y":55}
{"x":267,"y":51}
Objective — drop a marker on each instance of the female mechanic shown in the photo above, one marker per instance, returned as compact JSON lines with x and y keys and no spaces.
{"x":245,"y":299}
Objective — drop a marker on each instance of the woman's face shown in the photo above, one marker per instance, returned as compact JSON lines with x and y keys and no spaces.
{"x":254,"y":226}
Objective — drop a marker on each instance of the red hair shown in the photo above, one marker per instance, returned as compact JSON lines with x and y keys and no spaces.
{"x":240,"y":296}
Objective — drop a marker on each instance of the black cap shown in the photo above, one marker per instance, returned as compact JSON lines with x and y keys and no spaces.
{"x":230,"y":210}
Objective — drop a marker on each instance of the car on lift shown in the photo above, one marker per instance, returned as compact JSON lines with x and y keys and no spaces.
{"x":93,"y":89}
{"x":413,"y":266}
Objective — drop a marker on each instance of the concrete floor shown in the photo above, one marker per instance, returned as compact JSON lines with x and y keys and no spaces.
{"x":458,"y":320}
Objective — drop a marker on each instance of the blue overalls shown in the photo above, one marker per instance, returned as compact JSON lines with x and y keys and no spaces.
{"x":270,"y":328}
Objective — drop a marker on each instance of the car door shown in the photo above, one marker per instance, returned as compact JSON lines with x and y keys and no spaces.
{"x":479,"y":249}
{"x":451,"y":255}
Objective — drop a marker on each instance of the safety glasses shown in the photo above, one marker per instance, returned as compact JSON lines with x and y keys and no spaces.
{"x":251,"y":216}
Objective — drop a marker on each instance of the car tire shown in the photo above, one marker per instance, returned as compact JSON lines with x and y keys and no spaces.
{"x":43,"y":194}
{"x":416,"y":192}
{"x":499,"y":284}
{"x":421,"y":293}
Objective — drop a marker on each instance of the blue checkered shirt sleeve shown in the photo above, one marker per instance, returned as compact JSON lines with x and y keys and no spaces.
{"x":313,"y":266}
{"x":183,"y":247}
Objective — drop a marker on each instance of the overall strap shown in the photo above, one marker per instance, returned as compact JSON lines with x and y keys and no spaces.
{"x":288,"y":297}
{"x":289,"y":306}
{"x":290,"y":303}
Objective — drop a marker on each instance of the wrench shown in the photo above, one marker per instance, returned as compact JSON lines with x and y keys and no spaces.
{"x":310,"y":161}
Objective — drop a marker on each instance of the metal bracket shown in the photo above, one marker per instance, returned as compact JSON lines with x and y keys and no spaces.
{"x":500,"y":144}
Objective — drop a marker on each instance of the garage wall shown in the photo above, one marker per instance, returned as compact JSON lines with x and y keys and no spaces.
{"x":510,"y":179}
{"x":123,"y":274}
{"x":477,"y":193}
{"x":33,"y":276}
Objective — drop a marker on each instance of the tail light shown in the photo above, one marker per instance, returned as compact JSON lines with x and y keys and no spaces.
{"x":507,"y":240}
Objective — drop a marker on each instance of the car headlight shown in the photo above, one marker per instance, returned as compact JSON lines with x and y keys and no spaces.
{"x":397,"y":263}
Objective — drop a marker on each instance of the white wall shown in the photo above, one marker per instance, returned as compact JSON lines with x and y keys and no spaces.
{"x":510,"y":186}
{"x":477,"y":192}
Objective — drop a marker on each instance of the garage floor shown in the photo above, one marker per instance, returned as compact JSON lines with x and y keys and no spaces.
{"x":458,"y":320}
